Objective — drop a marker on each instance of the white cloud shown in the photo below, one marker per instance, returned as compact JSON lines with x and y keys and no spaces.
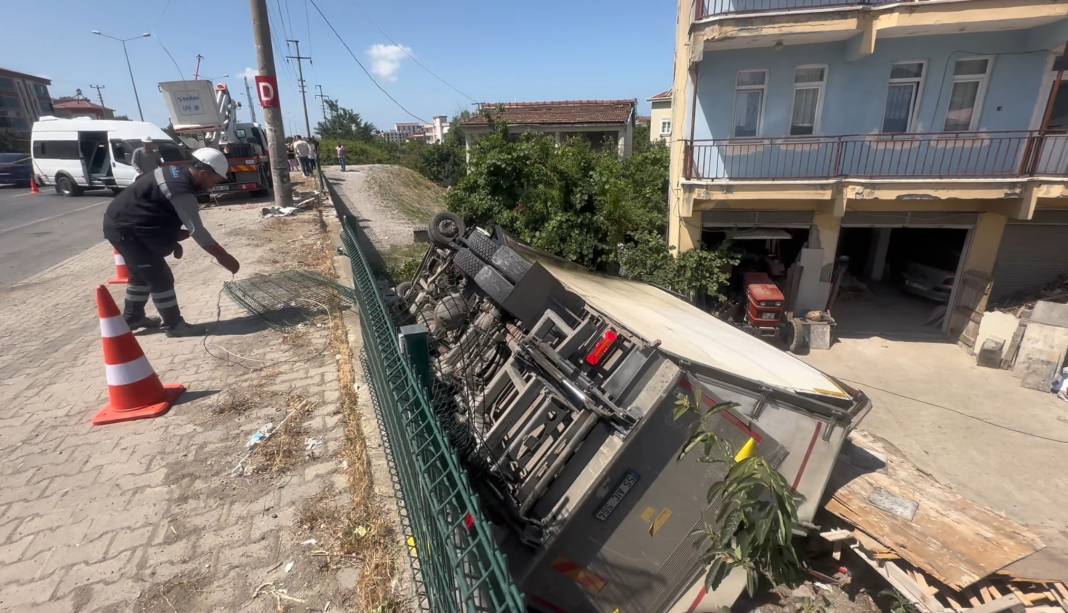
{"x":386,"y":59}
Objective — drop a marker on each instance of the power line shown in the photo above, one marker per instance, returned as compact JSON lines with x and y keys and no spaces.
{"x":416,"y":60}
{"x":362,"y":67}
{"x":181,"y":75}
{"x":961,"y":413}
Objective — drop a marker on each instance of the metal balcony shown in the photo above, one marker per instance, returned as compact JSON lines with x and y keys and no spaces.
{"x":713,"y":8}
{"x":938,"y":155}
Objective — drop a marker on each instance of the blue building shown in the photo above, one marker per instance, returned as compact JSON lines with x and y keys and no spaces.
{"x":913,"y":136}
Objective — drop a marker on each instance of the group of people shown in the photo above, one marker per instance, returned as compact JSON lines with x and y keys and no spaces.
{"x":305,"y":155}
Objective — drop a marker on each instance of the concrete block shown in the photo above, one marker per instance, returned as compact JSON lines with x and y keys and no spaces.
{"x":1041,"y":342}
{"x":819,"y":335}
{"x":989,"y":355}
{"x":1037,"y":373}
{"x":1050,"y":313}
{"x":998,"y":325}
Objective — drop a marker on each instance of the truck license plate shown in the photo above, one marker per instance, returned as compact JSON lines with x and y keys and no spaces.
{"x":626,"y":484}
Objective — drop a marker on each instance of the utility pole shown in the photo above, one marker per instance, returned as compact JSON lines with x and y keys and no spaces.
{"x":322,"y":100}
{"x":272,"y":115}
{"x":300,"y":79}
{"x":196,"y":71}
{"x":98,"y":93}
{"x":248,"y":94}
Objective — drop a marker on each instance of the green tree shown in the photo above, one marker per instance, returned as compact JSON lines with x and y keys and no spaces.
{"x":570,"y":200}
{"x":445,"y":163}
{"x":344,"y":124}
{"x":698,"y":274}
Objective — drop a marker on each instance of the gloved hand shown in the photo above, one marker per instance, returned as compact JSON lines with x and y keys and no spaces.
{"x":178,"y":251}
{"x":224,"y":259}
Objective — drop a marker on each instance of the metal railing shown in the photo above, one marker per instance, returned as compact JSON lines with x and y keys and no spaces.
{"x":451,"y":543}
{"x":712,"y":8}
{"x":942,"y":155}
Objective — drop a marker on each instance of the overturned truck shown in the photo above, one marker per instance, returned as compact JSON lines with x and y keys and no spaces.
{"x":557,"y":387}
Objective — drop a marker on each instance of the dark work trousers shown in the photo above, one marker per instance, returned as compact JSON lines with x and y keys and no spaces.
{"x":149,"y":275}
{"x":305,"y":165}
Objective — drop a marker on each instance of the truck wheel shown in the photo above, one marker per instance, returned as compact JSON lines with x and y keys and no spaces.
{"x":65,"y":186}
{"x":445,"y":228}
{"x":402,"y":290}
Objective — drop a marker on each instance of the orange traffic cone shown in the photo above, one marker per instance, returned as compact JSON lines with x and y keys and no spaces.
{"x":134,"y":390}
{"x":33,"y":186}
{"x":122,"y":272}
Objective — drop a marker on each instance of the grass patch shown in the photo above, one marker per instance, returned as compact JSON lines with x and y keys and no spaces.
{"x":402,"y":261}
{"x":410,"y":193}
{"x":237,"y":400}
{"x":285,"y":447}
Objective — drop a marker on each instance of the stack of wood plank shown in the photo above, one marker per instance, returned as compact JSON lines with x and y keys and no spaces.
{"x":941,"y":551}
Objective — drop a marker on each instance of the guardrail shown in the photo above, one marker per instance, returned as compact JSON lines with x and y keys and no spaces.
{"x":940,"y":155}
{"x":451,"y":543}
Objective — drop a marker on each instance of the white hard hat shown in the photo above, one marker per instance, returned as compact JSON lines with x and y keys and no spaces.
{"x":148,"y":139}
{"x":213,"y":158}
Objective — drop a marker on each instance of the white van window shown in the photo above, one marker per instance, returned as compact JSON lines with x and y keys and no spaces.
{"x":56,"y":150}
{"x":122,"y":151}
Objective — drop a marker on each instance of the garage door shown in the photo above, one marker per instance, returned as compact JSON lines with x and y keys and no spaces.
{"x":1032,"y":254}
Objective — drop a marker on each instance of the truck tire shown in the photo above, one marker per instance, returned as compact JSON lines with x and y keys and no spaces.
{"x":445,"y":228}
{"x":481,"y":245}
{"x":794,"y":336}
{"x":65,"y":186}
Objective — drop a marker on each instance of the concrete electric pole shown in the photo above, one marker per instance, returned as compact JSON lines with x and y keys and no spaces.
{"x":322,"y":100}
{"x":99,"y":94}
{"x":251,"y":107}
{"x":272,"y":114}
{"x":300,"y":78}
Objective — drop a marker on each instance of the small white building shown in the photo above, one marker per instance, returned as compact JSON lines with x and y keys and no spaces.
{"x":660,"y":117}
{"x":605,"y":123}
{"x":434,"y":133}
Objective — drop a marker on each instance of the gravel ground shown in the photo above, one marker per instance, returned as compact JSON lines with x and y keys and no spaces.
{"x":385,"y":224}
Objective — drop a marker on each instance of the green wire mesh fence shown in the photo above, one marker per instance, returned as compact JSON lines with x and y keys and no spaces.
{"x":451,"y":543}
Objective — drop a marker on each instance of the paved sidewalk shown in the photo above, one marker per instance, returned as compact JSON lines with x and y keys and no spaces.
{"x":145,"y":516}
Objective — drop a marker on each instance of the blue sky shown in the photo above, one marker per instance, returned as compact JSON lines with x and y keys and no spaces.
{"x":492,"y":51}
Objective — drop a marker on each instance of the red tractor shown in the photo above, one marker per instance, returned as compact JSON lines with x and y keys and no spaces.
{"x":765,"y":304}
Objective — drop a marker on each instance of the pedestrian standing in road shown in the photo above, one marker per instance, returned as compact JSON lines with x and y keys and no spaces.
{"x":341,"y":156}
{"x":144,"y":224}
{"x":145,"y":158}
{"x":302,"y":148}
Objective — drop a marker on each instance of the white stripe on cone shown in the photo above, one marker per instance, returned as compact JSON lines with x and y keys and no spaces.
{"x":119,"y":261}
{"x":110,"y":327}
{"x":130,"y":372}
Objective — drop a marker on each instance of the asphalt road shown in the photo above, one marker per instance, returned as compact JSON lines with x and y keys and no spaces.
{"x":40,"y":231}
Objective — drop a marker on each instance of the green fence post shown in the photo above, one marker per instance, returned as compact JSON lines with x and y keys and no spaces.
{"x":415,"y":347}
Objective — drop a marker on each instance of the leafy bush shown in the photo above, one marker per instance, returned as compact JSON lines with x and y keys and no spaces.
{"x":570,"y":200}
{"x":696,"y":273}
{"x":757,"y":509}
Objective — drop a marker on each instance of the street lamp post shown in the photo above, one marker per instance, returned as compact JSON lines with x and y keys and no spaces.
{"x":128,"y":67}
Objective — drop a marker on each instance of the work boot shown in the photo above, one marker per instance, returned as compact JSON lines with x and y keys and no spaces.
{"x":183,"y":328}
{"x":141,"y":321}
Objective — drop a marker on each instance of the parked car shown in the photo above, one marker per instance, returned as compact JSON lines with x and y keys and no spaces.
{"x":932,"y":274}
{"x":15,"y":168}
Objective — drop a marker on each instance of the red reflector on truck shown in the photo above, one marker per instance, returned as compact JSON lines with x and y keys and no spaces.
{"x":594,"y":357}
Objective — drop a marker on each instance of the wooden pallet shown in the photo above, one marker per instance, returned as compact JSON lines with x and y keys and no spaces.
{"x":992,"y":594}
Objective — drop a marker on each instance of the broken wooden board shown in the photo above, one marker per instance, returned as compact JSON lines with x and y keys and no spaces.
{"x":954,"y":540}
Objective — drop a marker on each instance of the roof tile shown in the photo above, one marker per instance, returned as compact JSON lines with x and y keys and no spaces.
{"x":555,"y":112}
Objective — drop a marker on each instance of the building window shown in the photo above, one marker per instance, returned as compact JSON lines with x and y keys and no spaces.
{"x":665,"y":127}
{"x":808,"y":99}
{"x":903,"y":96}
{"x":966,"y":97}
{"x":750,"y":87}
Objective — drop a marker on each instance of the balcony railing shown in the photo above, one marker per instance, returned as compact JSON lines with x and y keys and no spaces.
{"x":710,"y":8}
{"x":942,"y":155}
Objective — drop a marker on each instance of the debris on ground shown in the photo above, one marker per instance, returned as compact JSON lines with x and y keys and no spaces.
{"x":938,"y":550}
{"x":276,"y":211}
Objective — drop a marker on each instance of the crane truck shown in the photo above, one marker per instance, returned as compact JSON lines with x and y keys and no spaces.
{"x":206,"y":116}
